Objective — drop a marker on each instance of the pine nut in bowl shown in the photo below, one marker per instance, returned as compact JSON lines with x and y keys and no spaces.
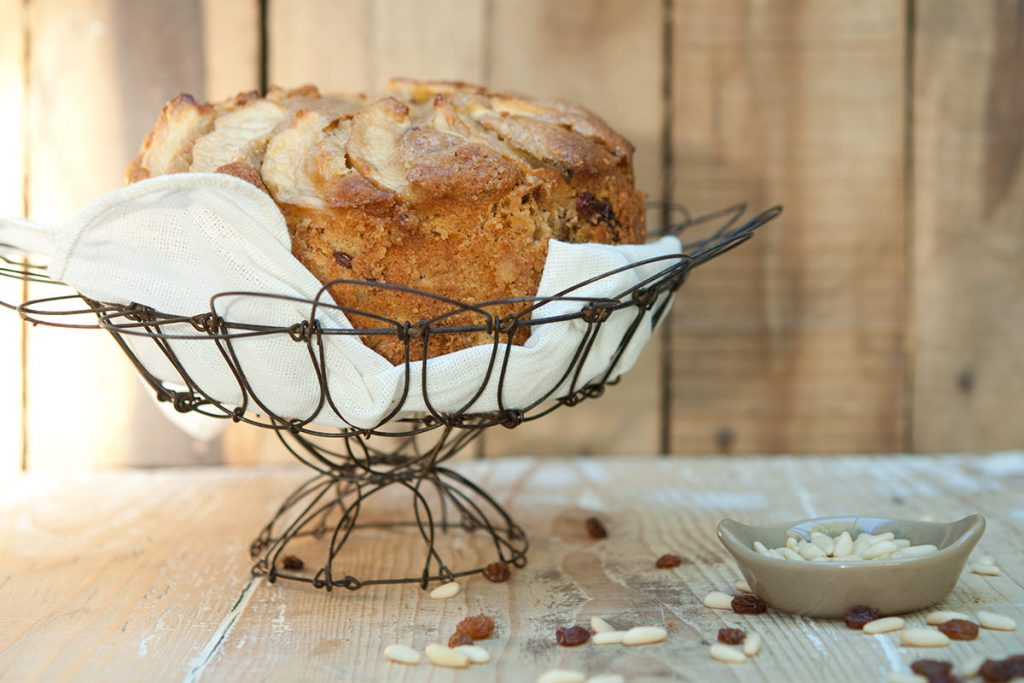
{"x":917,"y":564}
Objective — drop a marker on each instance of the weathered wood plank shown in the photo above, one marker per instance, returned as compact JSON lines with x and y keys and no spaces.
{"x":968,"y":213}
{"x":326,"y":43}
{"x":150,"y":567}
{"x":99,"y":75}
{"x":231,"y":46}
{"x":795,"y":342}
{"x":608,"y":57}
{"x":117,"y":575}
{"x":12,"y":173}
{"x":357,"y":45}
{"x":439,"y":39}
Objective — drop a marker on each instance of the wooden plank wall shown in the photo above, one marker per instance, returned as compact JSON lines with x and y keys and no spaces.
{"x":881,"y":313}
{"x":968,"y":226}
{"x":12,"y":174}
{"x":99,"y":72}
{"x":796,"y":342}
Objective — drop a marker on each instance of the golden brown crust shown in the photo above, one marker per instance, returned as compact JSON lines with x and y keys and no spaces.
{"x":245,"y":172}
{"x":168,"y":147}
{"x":440,"y":186}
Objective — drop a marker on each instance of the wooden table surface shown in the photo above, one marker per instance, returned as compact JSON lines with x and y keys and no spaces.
{"x":144,"y":575}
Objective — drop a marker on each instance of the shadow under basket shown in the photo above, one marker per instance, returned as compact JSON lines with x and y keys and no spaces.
{"x":390,"y":479}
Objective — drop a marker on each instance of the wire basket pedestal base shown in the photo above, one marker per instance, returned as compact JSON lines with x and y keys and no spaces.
{"x":328,"y":508}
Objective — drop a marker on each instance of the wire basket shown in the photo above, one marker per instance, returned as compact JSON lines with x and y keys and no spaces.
{"x":349,"y":464}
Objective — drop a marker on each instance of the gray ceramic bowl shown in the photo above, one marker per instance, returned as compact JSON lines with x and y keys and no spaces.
{"x":828,"y":589}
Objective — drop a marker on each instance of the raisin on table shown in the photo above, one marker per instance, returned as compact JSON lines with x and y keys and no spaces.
{"x":457,"y":639}
{"x":497,"y":572}
{"x":999,"y":670}
{"x":292,"y":563}
{"x":668,"y":561}
{"x":480,"y":627}
{"x":595,"y":529}
{"x":931,"y":667}
{"x":572,"y":636}
{"x":959,"y":629}
{"x":731,"y":636}
{"x":857,"y":616}
{"x":749,"y":604}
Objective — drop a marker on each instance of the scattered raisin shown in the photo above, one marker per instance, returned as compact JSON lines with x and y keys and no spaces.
{"x":748,"y":604}
{"x":959,"y":629}
{"x":668,"y":561}
{"x":457,"y":639}
{"x":931,"y":667}
{"x":731,"y":636}
{"x":293,"y":563}
{"x":999,"y":670}
{"x":595,"y":529}
{"x":497,"y":572}
{"x":857,"y":616}
{"x":1016,"y":664}
{"x":480,"y":627}
{"x":572,"y":636}
{"x":994,"y":670}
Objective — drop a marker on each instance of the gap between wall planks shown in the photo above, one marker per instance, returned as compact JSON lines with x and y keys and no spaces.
{"x":795,"y":342}
{"x":100,"y":70}
{"x":968,"y":225}
{"x":12,"y":160}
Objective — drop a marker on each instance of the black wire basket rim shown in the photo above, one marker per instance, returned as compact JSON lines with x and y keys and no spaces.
{"x":140,"y":320}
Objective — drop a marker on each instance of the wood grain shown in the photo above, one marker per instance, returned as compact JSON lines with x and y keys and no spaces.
{"x":143,"y":576}
{"x":794,"y":343}
{"x":327,"y":43}
{"x":100,"y":72}
{"x":145,"y":589}
{"x":357,"y":45}
{"x":575,"y":51}
{"x":231,"y":46}
{"x":968,"y":212}
{"x":12,"y":172}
